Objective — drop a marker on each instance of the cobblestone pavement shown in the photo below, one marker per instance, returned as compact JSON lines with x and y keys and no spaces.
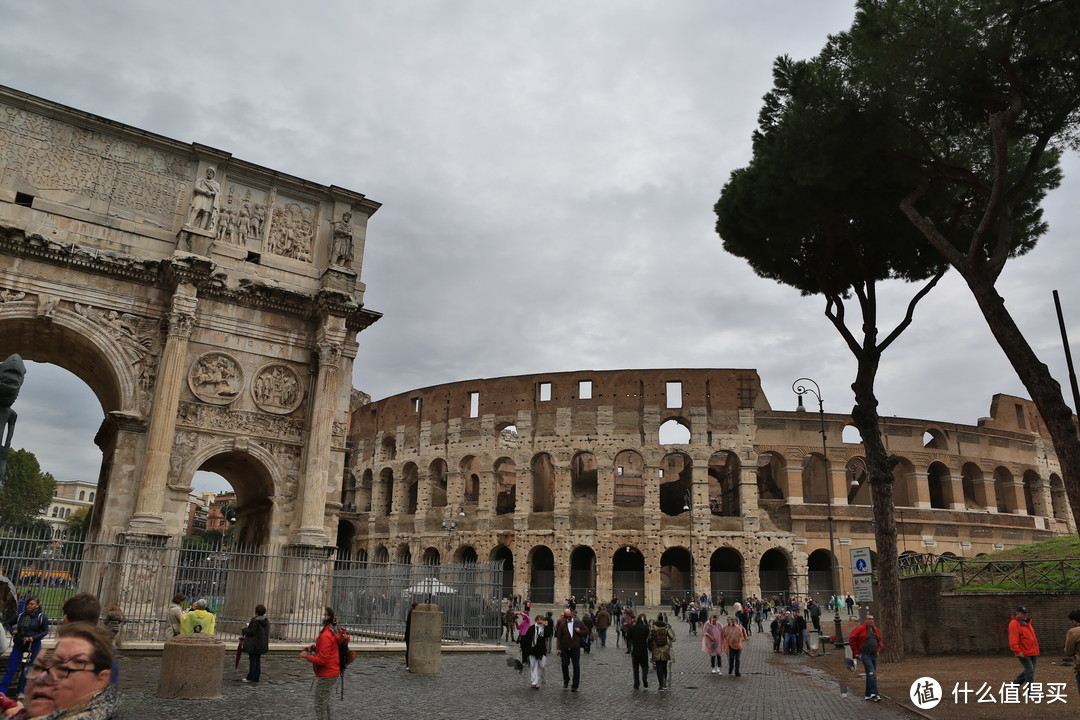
{"x":476,"y":685}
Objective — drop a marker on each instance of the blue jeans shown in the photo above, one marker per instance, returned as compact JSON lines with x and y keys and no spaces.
{"x":254,"y":667}
{"x":13,"y":664}
{"x":869,"y":663}
{"x":1026,"y":675}
{"x":789,"y":643}
{"x":602,"y":636}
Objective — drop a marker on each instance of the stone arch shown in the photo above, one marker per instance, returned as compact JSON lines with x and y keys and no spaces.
{"x":505,"y":486}
{"x":674,"y":431}
{"x":346,"y":532}
{"x":403,"y":555}
{"x":629,"y":470}
{"x":504,"y":553}
{"x":628,"y":574}
{"x":583,"y":478}
{"x":1059,"y":500}
{"x":470,"y":474}
{"x":542,"y":575}
{"x":815,"y":475}
{"x":676,"y":480}
{"x":437,"y":473}
{"x":971,"y":481}
{"x":935,"y":438}
{"x":386,"y":486}
{"x":582,"y":571}
{"x":774,"y":569}
{"x":819,"y":570}
{"x":363,"y":497}
{"x":466,"y":554}
{"x":1032,"y":485}
{"x":432,"y":557}
{"x":726,"y":574}
{"x":411,"y":480}
{"x":858,"y":482}
{"x":256,"y":478}
{"x":382,"y":555}
{"x":1003,"y":488}
{"x":543,"y":477}
{"x":905,"y":494}
{"x":676,"y":568}
{"x":724,"y":474}
{"x":389,"y":447}
{"x":939,"y":485}
{"x":771,"y":476}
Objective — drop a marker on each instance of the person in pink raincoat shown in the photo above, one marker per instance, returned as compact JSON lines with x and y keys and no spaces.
{"x":712,"y":644}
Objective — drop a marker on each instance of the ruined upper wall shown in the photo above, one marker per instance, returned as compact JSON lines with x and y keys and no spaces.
{"x":70,"y":177}
{"x":554,"y":404}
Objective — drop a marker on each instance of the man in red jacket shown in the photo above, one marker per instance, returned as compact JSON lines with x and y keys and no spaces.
{"x":1024,"y":645}
{"x":324,"y":656}
{"x":865,"y":642}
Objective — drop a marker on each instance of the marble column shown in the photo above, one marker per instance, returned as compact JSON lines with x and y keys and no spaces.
{"x":147,"y":517}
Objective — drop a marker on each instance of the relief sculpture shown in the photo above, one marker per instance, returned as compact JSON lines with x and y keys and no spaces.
{"x":291,"y":231}
{"x":277,"y":389}
{"x":216,"y":378}
{"x":139,"y":337}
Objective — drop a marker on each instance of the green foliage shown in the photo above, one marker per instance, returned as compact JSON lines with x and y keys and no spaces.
{"x":79,"y":522}
{"x":27,"y":490}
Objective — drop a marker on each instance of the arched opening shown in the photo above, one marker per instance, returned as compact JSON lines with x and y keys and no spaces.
{"x":675,"y":431}
{"x":254,"y":505}
{"x":437,"y":472}
{"x":582,"y":572}
{"x":505,"y":486}
{"x":382,"y":555}
{"x":386,"y":483}
{"x":858,"y":482}
{"x":466,"y":554}
{"x":346,"y":531}
{"x":726,"y":574}
{"x":432,"y":557}
{"x":937,"y":480}
{"x":851,"y":435}
{"x":501,"y":552}
{"x":542,"y":575}
{"x":936,"y":439}
{"x":773,"y":570}
{"x":629,"y":479}
{"x":819,"y":568}
{"x":404,"y":555}
{"x":974,"y":496}
{"x":904,"y":491}
{"x":543,"y":476}
{"x":628,"y":575}
{"x":583,"y":478}
{"x":389,"y":448}
{"x":769,"y":468}
{"x":412,"y":486}
{"x":676,"y":473}
{"x":363,"y":495}
{"x":814,"y":475}
{"x":675,"y":572}
{"x":470,"y":472}
{"x":1003,"y":484}
{"x":724,"y":471}
{"x":1058,"y":498}
{"x":1032,"y":481}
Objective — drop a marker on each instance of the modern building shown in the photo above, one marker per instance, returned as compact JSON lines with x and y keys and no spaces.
{"x":69,"y":497}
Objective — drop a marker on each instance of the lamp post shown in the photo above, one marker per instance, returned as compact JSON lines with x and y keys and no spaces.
{"x":801,"y":389}
{"x":451,"y":525}
{"x":688,"y":504}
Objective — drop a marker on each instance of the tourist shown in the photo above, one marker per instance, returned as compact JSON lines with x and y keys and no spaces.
{"x":534,"y":647}
{"x":1072,"y":644}
{"x":85,"y":607}
{"x":787,"y":625}
{"x":637,"y":643}
{"x":569,"y":634}
{"x":603,"y":622}
{"x":776,"y":628}
{"x":865,"y":642}
{"x":733,"y":634}
{"x":1024,"y":645}
{"x":198,"y":620}
{"x":74,"y":682}
{"x":175,"y":613}
{"x":27,"y":629}
{"x":712,"y":644}
{"x":256,"y":638}
{"x":661,"y":638}
{"x":324,"y":657}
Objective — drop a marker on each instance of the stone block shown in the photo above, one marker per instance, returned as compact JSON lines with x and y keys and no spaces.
{"x":191,"y":667}
{"x":425,"y":640}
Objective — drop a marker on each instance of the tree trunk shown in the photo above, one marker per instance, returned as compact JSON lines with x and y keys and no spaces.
{"x":1045,"y":391}
{"x":865,"y":417}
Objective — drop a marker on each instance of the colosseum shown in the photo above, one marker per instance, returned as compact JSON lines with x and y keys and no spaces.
{"x":646,"y":483}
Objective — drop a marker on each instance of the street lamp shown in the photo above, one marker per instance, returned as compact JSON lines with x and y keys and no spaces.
{"x":800,"y":389}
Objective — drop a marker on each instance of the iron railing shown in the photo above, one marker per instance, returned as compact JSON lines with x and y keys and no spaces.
{"x":139,"y":580}
{"x":1063,"y":574}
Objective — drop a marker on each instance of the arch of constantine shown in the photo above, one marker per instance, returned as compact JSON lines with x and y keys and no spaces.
{"x":212,"y":306}
{"x":573,"y":480}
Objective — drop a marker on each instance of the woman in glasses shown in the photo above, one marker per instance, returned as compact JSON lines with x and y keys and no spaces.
{"x":73,"y":684}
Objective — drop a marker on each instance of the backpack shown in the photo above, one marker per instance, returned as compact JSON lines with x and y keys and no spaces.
{"x":660,"y":637}
{"x":341,"y":639}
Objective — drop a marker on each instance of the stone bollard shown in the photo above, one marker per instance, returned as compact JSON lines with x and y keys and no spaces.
{"x":191,"y":667}
{"x":425,"y":640}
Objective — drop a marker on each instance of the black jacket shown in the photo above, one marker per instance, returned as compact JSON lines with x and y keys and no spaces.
{"x":638,"y":637}
{"x":257,"y":636}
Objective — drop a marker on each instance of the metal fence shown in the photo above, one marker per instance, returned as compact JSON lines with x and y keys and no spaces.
{"x":138,"y":579}
{"x":1061,"y":574}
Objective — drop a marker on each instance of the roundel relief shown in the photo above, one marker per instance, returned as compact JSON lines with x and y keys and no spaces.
{"x":216,"y":378}
{"x":277,"y":389}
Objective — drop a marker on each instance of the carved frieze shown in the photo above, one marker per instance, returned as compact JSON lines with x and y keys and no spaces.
{"x":276,"y":388}
{"x":216,"y":378}
{"x":243,"y":217}
{"x":184,"y":446}
{"x":140,"y":337}
{"x":60,"y":157}
{"x":292,"y":229}
{"x":212,"y":417}
{"x":7,"y":296}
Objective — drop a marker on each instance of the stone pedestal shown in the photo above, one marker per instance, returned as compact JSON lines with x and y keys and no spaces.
{"x":425,"y":640}
{"x":191,"y":667}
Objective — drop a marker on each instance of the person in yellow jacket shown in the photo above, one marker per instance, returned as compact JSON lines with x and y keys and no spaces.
{"x":198,"y":620}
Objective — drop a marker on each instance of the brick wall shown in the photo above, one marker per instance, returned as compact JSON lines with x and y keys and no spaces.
{"x":939,"y":620}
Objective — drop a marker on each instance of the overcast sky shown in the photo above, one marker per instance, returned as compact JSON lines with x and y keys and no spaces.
{"x":547,"y":173}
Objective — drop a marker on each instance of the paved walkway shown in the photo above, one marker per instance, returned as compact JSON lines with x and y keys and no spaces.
{"x":482,"y":686}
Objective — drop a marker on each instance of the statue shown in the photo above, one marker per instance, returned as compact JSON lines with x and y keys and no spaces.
{"x":202,"y":215}
{"x":341,"y":252}
{"x":12,"y":372}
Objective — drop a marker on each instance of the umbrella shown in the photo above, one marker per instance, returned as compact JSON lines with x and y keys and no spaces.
{"x":9,"y":599}
{"x":239,"y":652}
